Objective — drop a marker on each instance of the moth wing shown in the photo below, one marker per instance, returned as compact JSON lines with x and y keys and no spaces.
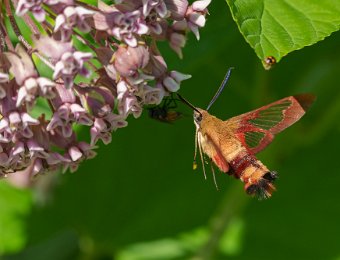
{"x":211,"y":147}
{"x":256,"y":129}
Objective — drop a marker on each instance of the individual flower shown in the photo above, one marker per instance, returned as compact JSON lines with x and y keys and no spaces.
{"x":128,"y":61}
{"x":20,"y":157}
{"x":33,"y":88}
{"x":103,"y":126}
{"x":30,"y":84}
{"x":3,"y":79}
{"x":35,"y":6}
{"x":66,"y":115}
{"x":52,"y":163}
{"x":16,"y":123}
{"x":173,"y":80}
{"x":128,"y":102}
{"x":158,"y":6}
{"x":177,"y":36}
{"x":195,"y":16}
{"x":126,"y":26}
{"x":150,"y":95}
{"x":154,"y":12}
{"x":77,"y":153}
{"x":177,"y":8}
{"x":98,"y":100}
{"x":67,"y":112}
{"x":70,"y":18}
{"x":68,"y":62}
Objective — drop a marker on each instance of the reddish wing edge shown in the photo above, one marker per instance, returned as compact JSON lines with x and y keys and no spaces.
{"x":256,"y":129}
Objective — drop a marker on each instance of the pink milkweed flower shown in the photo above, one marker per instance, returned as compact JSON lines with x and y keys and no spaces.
{"x":150,"y":95}
{"x":127,"y":25}
{"x":34,"y":87}
{"x":128,"y":60}
{"x":173,"y":80}
{"x":35,"y":6}
{"x":127,"y":101}
{"x":77,"y":153}
{"x":103,"y":126}
{"x":154,"y":5}
{"x":68,"y":61}
{"x":67,"y":112}
{"x":66,"y":115}
{"x":30,"y":85}
{"x":177,"y":36}
{"x":130,"y":72}
{"x":177,"y":8}
{"x":36,"y":150}
{"x":195,"y":16}
{"x":99,"y":101}
{"x":3,"y":79}
{"x":20,"y":157}
{"x":154,"y":23}
{"x":70,"y":18}
{"x":5,"y":166}
{"x":70,"y":64}
{"x":16,"y":123}
{"x":157,"y":65}
{"x":52,"y":163}
{"x":154,"y":12}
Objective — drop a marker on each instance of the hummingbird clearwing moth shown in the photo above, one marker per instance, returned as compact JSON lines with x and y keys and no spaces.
{"x":233,"y":143}
{"x":165,"y":112}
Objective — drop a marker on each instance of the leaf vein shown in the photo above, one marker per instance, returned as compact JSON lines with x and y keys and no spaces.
{"x":303,"y":15}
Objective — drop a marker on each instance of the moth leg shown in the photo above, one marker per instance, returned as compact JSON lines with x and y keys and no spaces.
{"x":172,"y":102}
{"x":213,"y":172}
{"x":201,"y":155}
{"x":166,"y":103}
{"x":195,"y":154}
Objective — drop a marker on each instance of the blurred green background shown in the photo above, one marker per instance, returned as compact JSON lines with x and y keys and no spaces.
{"x":140,"y":199}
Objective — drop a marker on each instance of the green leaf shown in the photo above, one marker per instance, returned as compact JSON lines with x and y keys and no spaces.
{"x":15,"y":204}
{"x":276,"y":28}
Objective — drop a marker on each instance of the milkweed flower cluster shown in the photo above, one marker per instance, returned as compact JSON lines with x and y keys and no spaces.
{"x":87,"y":65}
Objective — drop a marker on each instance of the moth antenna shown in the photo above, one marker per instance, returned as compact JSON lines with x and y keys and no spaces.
{"x":195,"y":154}
{"x":213,"y":172}
{"x":220,"y":89}
{"x":202,"y":158}
{"x":188,"y":103}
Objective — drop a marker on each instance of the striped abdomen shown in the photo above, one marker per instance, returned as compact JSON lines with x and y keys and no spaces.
{"x":256,"y":176}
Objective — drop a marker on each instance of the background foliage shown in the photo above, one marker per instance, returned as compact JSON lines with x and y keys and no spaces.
{"x":140,"y":199}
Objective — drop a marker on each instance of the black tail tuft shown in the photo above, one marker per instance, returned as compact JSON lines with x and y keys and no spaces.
{"x":264,"y":188}
{"x":270,"y":176}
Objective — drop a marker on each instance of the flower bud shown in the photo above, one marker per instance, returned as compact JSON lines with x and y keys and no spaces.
{"x":129,"y":60}
{"x":177,"y":8}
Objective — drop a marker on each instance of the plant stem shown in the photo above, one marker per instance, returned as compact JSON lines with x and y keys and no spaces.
{"x":232,"y":205}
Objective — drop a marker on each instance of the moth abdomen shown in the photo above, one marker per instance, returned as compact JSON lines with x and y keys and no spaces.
{"x":257,"y":178}
{"x":244,"y":162}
